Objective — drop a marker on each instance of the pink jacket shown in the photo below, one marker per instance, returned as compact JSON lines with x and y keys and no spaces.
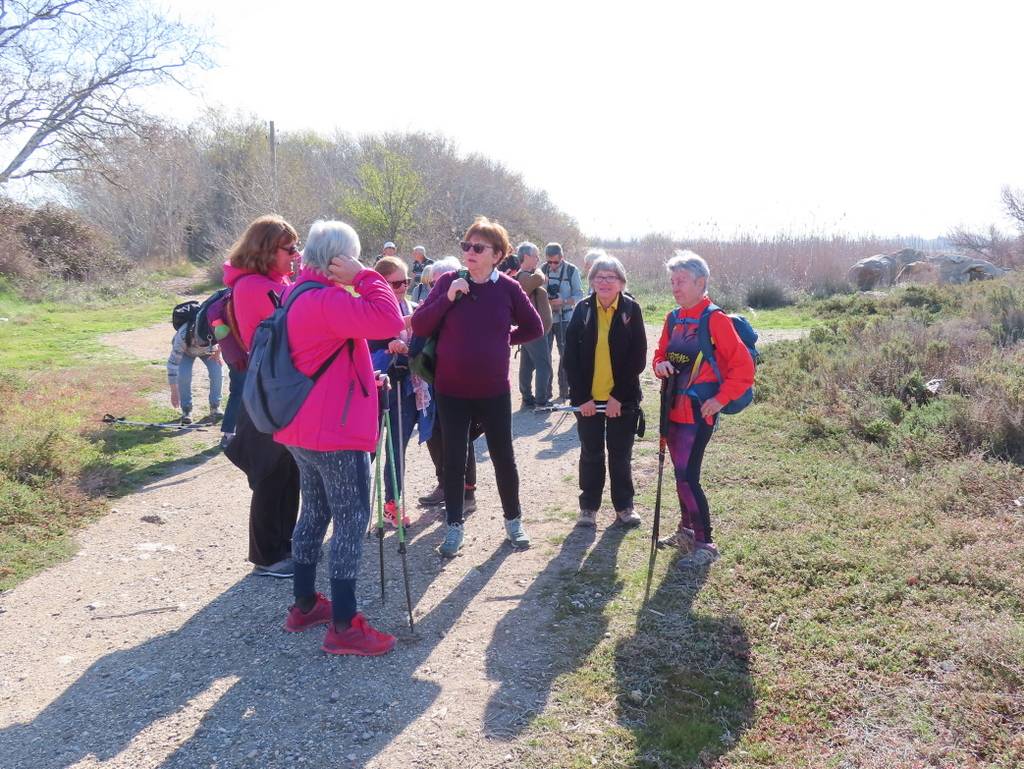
{"x":250,"y":297}
{"x":340,"y":412}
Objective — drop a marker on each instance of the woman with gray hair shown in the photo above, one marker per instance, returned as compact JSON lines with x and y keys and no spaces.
{"x":605,"y":353}
{"x":335,"y":428}
{"x":679,"y":360}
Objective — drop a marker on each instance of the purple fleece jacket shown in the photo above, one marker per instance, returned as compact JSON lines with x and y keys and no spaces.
{"x":475,"y":334}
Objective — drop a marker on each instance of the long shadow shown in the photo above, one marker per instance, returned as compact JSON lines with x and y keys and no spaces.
{"x":683,"y":679}
{"x":244,"y":693}
{"x":574,"y":588}
{"x":132,"y":481}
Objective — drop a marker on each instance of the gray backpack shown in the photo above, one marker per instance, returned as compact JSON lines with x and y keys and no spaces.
{"x":274,"y":389}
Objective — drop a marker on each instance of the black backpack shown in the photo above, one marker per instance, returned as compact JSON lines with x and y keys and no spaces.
{"x":184,"y":314}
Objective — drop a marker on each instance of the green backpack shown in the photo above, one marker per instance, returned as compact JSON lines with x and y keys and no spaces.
{"x":423,"y":362}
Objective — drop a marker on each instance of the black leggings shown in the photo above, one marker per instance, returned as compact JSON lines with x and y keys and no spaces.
{"x":495,"y":416}
{"x":435,"y":445}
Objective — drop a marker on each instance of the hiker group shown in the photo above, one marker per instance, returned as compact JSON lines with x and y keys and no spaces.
{"x":333,"y":365}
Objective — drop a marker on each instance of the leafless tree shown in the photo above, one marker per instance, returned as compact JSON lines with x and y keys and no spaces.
{"x":69,"y":72}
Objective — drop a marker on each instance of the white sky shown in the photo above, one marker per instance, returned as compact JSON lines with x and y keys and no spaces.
{"x":710,"y":118}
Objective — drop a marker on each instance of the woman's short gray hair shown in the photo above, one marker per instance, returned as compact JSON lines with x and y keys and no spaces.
{"x":443,"y":265}
{"x":689,"y":261}
{"x":326,"y":240}
{"x":592,"y":254}
{"x":602,"y":260}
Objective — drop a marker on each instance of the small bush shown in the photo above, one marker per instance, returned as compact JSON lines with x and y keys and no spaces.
{"x":829,"y":285}
{"x":768,"y":294}
{"x":58,"y":243}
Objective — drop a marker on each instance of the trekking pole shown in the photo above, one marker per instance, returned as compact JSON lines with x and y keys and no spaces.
{"x":378,"y":482}
{"x":666,"y":397}
{"x":400,"y":507}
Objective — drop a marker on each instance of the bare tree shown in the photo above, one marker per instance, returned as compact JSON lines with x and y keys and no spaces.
{"x":69,"y":70}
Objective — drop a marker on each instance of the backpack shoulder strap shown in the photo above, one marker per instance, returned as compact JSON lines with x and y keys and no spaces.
{"x":299,"y":290}
{"x":671,"y":319}
{"x":704,"y":339}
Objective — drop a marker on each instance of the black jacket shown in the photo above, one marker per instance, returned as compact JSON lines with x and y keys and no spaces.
{"x":627,"y":344}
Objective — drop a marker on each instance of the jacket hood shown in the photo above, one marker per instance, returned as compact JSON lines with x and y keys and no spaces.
{"x":232,"y":274}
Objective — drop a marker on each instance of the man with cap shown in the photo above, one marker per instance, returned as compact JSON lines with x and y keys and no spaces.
{"x":564,"y":291}
{"x":390,"y":249}
{"x":419,"y":261}
{"x":534,"y":356}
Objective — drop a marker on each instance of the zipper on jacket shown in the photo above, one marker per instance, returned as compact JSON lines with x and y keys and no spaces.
{"x":348,"y":402}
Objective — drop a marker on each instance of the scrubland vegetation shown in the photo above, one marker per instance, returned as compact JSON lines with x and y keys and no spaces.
{"x":868,"y":610}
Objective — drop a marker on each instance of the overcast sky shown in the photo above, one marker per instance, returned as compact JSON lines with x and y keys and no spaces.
{"x":690,"y":118}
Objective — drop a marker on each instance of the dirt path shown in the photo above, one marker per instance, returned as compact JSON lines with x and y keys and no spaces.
{"x":153,"y":647}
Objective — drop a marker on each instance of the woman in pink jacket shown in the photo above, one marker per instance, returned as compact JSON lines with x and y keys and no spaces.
{"x":335,"y":430}
{"x":260,"y":264}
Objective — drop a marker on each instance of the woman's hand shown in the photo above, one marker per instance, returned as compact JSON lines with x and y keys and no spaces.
{"x":613,"y":408}
{"x":398,"y":347}
{"x":458,"y":286}
{"x":710,"y":407}
{"x":589,"y":408}
{"x":664,"y":370}
{"x":343,"y":270}
{"x":383,"y":383}
{"x":216,"y":357}
{"x":175,"y":397}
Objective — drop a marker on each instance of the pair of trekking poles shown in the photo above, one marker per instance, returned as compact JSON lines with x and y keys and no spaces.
{"x":398,"y":484}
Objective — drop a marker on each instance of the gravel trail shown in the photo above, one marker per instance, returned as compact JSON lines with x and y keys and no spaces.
{"x":154,"y":647}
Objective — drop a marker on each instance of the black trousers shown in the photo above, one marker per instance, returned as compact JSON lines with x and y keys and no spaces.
{"x":274,"y":479}
{"x":435,"y":445}
{"x":495,"y":417}
{"x":617,"y":434}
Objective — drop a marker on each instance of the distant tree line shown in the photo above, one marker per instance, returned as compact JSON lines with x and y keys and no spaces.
{"x":164,"y":192}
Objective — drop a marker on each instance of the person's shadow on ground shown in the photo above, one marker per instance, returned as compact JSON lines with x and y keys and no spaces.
{"x":683,"y":678}
{"x":236,"y":690}
{"x":558,"y":622}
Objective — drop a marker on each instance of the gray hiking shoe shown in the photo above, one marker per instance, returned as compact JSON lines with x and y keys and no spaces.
{"x":702,"y":556}
{"x":681,"y":539}
{"x":628,"y":518}
{"x":587,"y":519}
{"x":452,"y":541}
{"x":516,"y":536}
{"x":282,"y":569}
{"x":436,"y":497}
{"x":186,"y":417}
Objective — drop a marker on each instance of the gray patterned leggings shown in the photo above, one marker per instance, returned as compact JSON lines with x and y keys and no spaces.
{"x":335,"y":487}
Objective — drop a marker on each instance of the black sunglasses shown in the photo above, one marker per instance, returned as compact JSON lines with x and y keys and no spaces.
{"x":293,"y":249}
{"x":397,"y":283}
{"x":477,"y":248}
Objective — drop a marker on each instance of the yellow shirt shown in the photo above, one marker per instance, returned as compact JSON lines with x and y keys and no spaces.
{"x":601,"y":387}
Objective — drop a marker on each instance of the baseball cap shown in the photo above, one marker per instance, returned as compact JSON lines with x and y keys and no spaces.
{"x":389,"y":244}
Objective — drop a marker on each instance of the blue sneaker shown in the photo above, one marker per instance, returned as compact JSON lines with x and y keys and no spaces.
{"x":452,"y":541}
{"x":516,"y":535}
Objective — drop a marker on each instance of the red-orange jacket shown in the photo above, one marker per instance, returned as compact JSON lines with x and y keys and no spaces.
{"x":732,"y":356}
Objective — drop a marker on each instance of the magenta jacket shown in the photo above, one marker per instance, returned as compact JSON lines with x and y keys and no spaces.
{"x":340,"y":412}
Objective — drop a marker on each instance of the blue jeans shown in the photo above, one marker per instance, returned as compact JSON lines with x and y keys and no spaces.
{"x":185,"y":381}
{"x":535,"y":356}
{"x":236,"y":382}
{"x":557,"y":336}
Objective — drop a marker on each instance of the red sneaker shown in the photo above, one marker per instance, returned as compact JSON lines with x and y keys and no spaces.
{"x":299,"y":620}
{"x":391,"y":515}
{"x":361,"y":639}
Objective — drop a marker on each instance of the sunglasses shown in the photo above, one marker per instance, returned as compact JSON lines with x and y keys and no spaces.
{"x":399,"y":283}
{"x":477,"y":248}
{"x":293,"y":249}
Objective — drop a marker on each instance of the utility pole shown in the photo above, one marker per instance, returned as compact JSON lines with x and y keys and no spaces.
{"x":273,"y":169}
